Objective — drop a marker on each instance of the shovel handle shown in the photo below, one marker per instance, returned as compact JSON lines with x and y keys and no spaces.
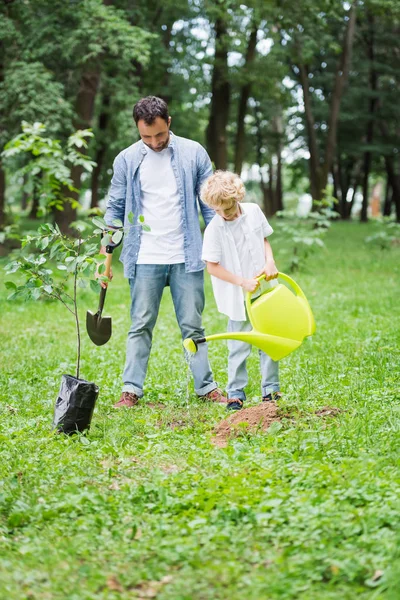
{"x":108,"y":264}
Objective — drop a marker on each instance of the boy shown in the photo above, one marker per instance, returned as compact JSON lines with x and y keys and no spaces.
{"x":236,"y":251}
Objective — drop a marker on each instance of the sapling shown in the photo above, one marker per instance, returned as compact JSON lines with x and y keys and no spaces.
{"x":54,"y":265}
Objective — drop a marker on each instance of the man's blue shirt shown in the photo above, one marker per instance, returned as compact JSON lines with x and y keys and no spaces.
{"x":191,"y":166}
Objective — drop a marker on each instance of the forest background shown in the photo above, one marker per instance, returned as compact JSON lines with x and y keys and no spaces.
{"x":300,"y":98}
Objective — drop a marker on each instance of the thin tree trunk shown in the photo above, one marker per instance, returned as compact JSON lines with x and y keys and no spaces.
{"x":244,"y":97}
{"x":394,"y":180}
{"x":373,"y":86}
{"x":314,"y":162}
{"x":84,"y":114}
{"x":217,"y":143}
{"x":2,"y":197}
{"x":387,"y":207}
{"x":263,"y":186}
{"x":341,"y":78}
{"x":319,"y":172}
{"x":36,"y":185}
{"x":279,"y":187}
{"x":101,"y":149}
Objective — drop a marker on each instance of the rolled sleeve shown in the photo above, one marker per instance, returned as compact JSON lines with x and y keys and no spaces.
{"x":204,"y":171}
{"x":212,"y":249}
{"x":117,"y":192}
{"x":267,"y":229}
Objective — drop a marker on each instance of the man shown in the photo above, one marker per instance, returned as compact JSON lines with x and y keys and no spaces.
{"x":160,"y":177}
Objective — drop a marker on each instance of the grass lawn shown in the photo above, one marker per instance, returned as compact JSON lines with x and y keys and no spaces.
{"x":145,"y":506}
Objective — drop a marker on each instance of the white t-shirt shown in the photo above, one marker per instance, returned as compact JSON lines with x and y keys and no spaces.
{"x":238,"y":246}
{"x":162,"y":211}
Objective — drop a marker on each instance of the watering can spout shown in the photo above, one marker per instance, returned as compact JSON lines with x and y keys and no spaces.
{"x":281,"y":320}
{"x":276,"y":347}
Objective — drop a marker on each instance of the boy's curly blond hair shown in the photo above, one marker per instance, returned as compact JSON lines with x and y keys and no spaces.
{"x":223,"y":190}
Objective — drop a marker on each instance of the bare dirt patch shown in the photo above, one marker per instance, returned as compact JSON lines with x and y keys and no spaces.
{"x":258,"y":418}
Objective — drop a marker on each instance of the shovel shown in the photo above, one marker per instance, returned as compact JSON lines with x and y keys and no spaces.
{"x":99,"y":327}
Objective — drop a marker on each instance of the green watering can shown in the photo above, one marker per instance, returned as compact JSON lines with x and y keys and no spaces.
{"x":281,"y":320}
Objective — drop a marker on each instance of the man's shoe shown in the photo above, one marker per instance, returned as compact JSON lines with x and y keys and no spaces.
{"x":274,"y":397}
{"x":127,"y":400}
{"x":215,"y":395}
{"x":234,"y":404}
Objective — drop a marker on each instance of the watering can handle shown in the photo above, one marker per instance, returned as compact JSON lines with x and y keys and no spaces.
{"x":289,"y":280}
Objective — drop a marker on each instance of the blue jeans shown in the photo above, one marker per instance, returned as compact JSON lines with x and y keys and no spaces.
{"x":237,"y":372}
{"x":187,"y":291}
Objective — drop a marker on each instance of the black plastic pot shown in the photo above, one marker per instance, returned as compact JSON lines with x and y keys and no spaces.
{"x":75,"y":405}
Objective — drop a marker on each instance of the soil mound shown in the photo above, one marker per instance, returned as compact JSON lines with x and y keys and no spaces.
{"x":258,"y":417}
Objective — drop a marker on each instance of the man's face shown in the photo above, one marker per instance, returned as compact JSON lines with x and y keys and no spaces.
{"x":156,"y":135}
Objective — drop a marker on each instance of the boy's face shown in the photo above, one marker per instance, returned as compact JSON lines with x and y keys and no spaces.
{"x":229,"y":214}
{"x":156,"y":135}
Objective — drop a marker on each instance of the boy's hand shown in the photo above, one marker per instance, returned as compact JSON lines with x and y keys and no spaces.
{"x":270,"y":270}
{"x":249,"y":285}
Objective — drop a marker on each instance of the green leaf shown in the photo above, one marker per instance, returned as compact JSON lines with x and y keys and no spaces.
{"x":48,"y":289}
{"x":141,"y":219}
{"x":105,"y":240}
{"x":117,"y":237}
{"x":131,"y":217}
{"x":102,"y":268}
{"x":117,"y":223}
{"x":10,"y":285}
{"x":146,"y":228}
{"x":98,"y":222}
{"x":95,"y":286}
{"x":62,"y":267}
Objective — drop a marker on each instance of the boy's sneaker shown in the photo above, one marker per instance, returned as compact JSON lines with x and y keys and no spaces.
{"x":273,"y":397}
{"x":215,"y":395}
{"x":234,"y":404}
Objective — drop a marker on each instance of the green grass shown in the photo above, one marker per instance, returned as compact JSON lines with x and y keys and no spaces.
{"x":145,"y":506}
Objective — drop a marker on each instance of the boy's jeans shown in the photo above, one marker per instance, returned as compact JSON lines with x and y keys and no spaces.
{"x":188,"y":297}
{"x":237,"y":372}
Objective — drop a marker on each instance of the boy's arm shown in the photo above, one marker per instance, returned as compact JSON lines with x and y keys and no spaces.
{"x":215,"y":269}
{"x":270,"y":270}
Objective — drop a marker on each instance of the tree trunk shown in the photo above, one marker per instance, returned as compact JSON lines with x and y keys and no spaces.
{"x":279,"y":187}
{"x":84,"y":114}
{"x":314,"y":162}
{"x":387,"y":207}
{"x":373,"y":85}
{"x":341,"y":77}
{"x":319,"y":172}
{"x":394,"y":180}
{"x":244,"y":97}
{"x":36,"y":186}
{"x":2,"y":197}
{"x":101,"y":149}
{"x":217,"y":144}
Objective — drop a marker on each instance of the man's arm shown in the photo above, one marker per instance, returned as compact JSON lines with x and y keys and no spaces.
{"x":116,"y":202}
{"x":204,"y":171}
{"x":117,"y":193}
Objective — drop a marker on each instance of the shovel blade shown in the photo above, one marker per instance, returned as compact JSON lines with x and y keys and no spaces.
{"x":98,"y":328}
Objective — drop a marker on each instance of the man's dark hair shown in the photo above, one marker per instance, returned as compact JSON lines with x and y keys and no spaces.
{"x":149,"y":108}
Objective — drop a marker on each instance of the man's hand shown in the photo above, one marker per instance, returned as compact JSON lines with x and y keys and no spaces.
{"x":97,"y":274}
{"x":249,"y":285}
{"x":270,"y":270}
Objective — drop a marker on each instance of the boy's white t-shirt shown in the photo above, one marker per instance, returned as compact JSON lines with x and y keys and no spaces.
{"x":238,"y":246}
{"x":161,"y":209}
